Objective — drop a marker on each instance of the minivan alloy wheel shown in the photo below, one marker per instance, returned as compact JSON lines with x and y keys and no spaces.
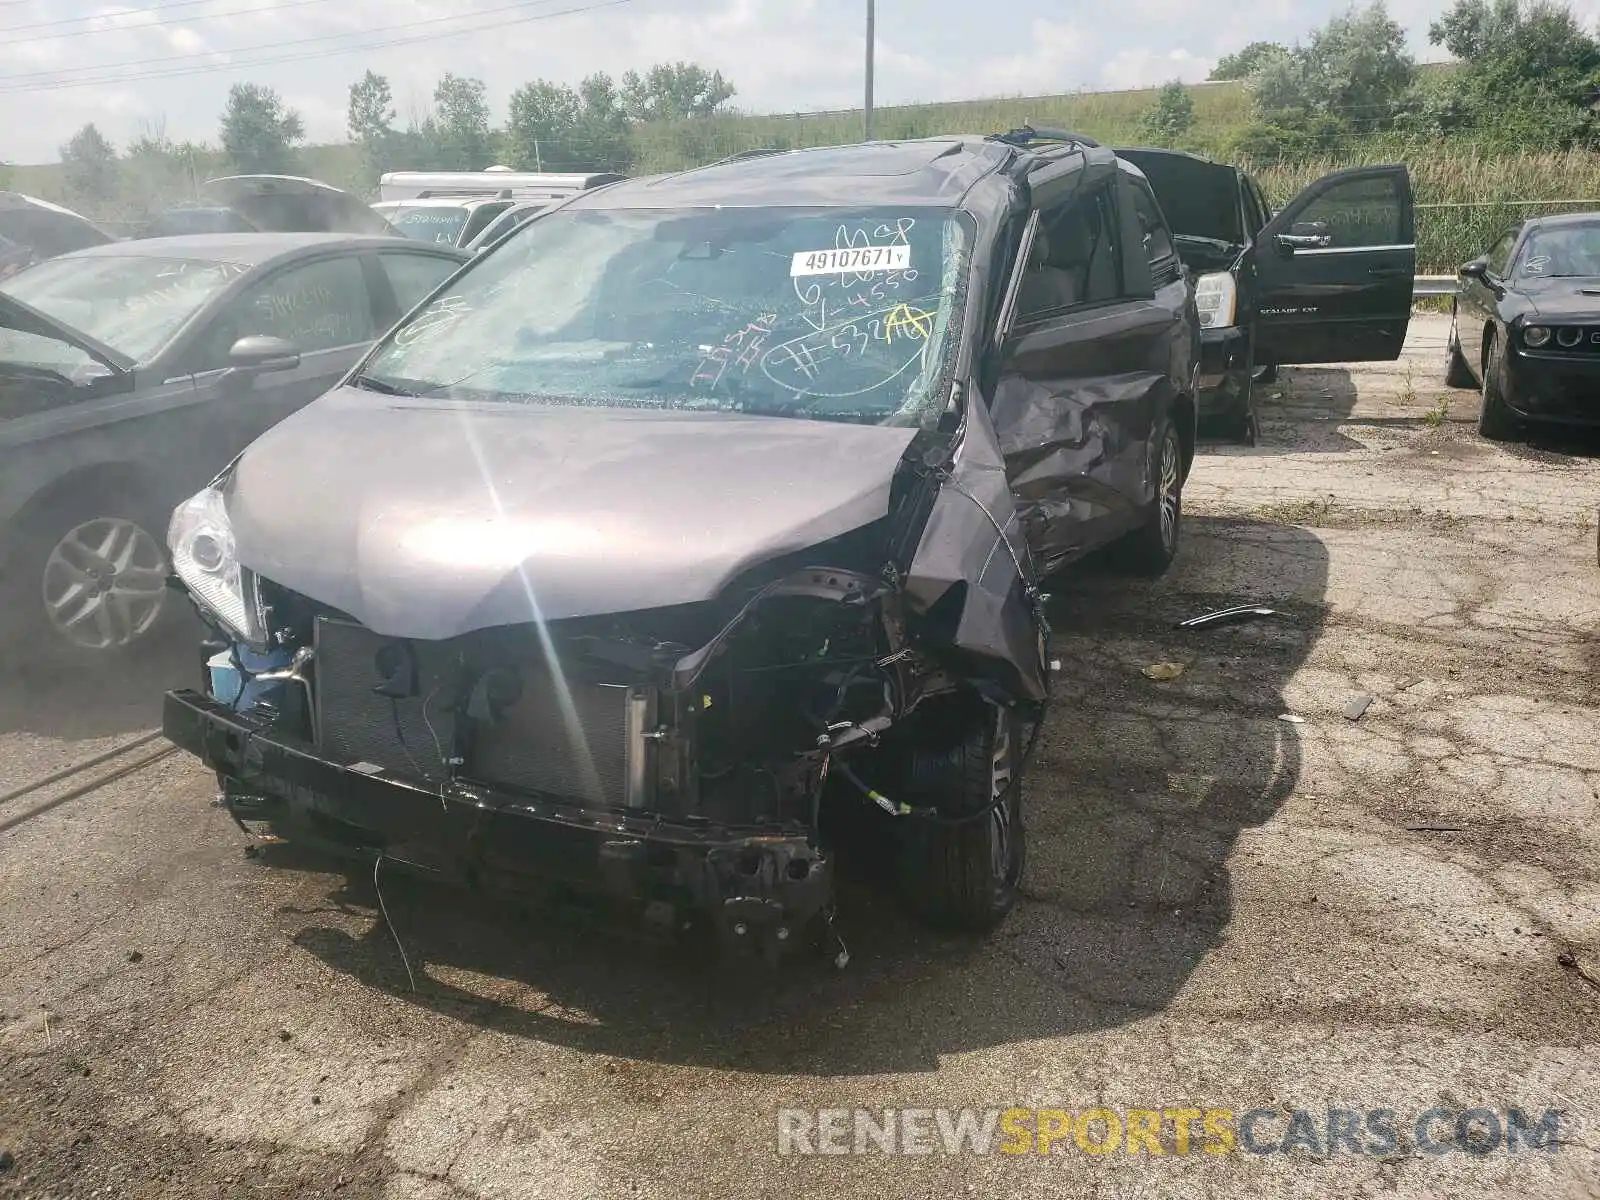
{"x":1000,"y":816}
{"x":104,"y":583}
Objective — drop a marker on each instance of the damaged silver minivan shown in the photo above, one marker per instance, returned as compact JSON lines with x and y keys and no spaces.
{"x":698,"y":529}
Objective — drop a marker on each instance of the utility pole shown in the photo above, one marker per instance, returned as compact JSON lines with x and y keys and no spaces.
{"x":871,"y":39}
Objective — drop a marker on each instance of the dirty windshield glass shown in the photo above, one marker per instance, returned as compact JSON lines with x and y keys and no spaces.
{"x":1565,"y":250}
{"x":832,"y":314}
{"x":131,"y":304}
{"x":430,"y":223}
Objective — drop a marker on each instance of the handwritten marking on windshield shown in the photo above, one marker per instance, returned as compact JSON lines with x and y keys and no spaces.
{"x":741,"y":348}
{"x":908,"y":322}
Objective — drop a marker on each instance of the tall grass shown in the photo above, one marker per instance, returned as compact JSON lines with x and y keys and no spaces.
{"x":1491,"y":191}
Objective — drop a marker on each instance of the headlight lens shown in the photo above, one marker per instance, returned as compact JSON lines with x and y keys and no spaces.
{"x":201,"y":541}
{"x":1215,"y":296}
{"x":1535,"y":336}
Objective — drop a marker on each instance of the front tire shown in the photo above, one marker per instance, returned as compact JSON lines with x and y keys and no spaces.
{"x":1495,"y":420}
{"x":1150,"y":549}
{"x":962,"y":869}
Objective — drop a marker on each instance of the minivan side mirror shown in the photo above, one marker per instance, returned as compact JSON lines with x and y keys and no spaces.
{"x":258,"y":354}
{"x":1477,"y":269}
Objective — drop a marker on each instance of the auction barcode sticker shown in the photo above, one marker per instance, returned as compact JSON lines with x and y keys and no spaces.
{"x":850,"y":259}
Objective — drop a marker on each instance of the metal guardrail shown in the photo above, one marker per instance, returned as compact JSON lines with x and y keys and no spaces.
{"x":1434,"y":285}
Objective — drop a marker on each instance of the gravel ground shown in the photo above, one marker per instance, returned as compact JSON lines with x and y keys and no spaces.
{"x":1225,"y":909}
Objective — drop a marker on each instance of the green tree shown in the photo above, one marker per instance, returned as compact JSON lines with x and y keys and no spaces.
{"x":1530,"y":76}
{"x":459,"y":126}
{"x":1352,"y":76}
{"x":1241,"y":64}
{"x":1169,"y":119}
{"x":89,"y":163}
{"x":369,"y":120}
{"x":672,"y":91}
{"x":553,"y":127}
{"x":542,"y":126}
{"x":259,"y":133}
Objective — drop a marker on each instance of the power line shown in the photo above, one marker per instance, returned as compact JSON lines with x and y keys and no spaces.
{"x":158,"y":8}
{"x":56,"y":79}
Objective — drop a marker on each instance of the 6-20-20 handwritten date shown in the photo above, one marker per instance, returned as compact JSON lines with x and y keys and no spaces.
{"x":847,"y":259}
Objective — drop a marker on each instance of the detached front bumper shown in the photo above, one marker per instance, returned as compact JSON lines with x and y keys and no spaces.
{"x":1224,"y":371}
{"x":757,"y":887}
{"x":1563,"y":389}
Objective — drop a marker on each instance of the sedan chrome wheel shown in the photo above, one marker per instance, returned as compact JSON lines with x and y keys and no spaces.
{"x":105,"y":583}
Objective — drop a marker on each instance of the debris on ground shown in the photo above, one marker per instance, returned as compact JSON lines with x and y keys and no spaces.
{"x":6,"y":1160}
{"x":1291,"y":718}
{"x":1571,"y":963}
{"x":1164,"y":672}
{"x":135,"y":957}
{"x":1239,"y":612}
{"x":1356,"y":706}
{"x":1436,"y":828}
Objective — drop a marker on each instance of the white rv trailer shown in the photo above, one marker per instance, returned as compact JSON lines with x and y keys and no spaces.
{"x":496,"y":181}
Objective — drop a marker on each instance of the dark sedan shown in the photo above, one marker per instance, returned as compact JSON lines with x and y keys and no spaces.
{"x":131,"y":372}
{"x":1525,"y":326}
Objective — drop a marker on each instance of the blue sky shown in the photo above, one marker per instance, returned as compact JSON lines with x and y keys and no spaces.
{"x":783,"y":55}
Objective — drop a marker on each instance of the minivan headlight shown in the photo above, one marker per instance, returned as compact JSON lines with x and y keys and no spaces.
{"x":1216,"y":295}
{"x":1535,"y":336}
{"x":200,"y":540}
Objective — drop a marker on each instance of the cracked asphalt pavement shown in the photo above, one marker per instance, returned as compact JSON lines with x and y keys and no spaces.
{"x":1224,"y":908}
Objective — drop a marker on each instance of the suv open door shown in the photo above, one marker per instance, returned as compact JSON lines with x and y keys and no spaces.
{"x":1335,"y":270}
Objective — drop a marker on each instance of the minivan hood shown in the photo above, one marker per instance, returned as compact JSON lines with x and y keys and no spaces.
{"x":1199,"y":198}
{"x":428,"y":520}
{"x":291,"y":204}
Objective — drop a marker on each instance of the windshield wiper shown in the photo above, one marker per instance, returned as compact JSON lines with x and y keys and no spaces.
{"x":368,"y":383}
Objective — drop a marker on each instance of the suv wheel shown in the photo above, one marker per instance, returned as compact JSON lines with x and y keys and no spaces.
{"x":967,"y":874}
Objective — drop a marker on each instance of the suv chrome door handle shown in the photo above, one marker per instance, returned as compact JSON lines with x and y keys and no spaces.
{"x":1305,"y":241}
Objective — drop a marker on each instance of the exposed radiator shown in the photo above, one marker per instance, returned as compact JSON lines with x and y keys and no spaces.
{"x":586,"y":745}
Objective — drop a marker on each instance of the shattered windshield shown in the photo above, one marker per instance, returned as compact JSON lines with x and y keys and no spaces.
{"x":844,"y":315}
{"x":133,"y":304}
{"x":1565,"y":250}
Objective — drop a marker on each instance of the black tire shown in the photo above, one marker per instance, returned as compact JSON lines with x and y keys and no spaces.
{"x":1246,"y":427}
{"x":1150,"y":549}
{"x":965,"y":874}
{"x":1457,"y":373}
{"x":1495,"y":420}
{"x":86,"y":579}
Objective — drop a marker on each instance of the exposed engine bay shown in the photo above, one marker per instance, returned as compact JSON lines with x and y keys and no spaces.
{"x":710,"y":754}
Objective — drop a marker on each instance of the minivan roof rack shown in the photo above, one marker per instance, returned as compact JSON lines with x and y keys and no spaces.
{"x":1028,"y":135}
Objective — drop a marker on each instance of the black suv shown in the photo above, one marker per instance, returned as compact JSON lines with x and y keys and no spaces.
{"x":698,"y":528}
{"x":1327,"y":279}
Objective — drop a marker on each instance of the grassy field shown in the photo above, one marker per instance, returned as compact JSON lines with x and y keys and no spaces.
{"x":1464,"y":197}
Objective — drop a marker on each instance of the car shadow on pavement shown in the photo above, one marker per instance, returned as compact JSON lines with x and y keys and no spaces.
{"x":79,"y":697}
{"x":1138,"y":794}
